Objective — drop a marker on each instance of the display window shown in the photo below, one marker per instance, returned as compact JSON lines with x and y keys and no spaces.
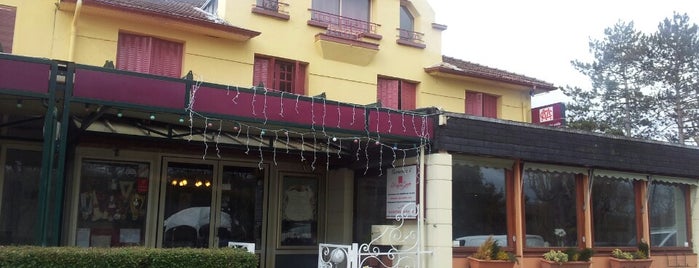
{"x":112,"y":205}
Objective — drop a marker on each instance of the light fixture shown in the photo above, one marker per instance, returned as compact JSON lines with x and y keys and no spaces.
{"x":207,"y":183}
{"x":181,"y":120}
{"x":19,"y":103}
{"x":174,"y":183}
{"x":119,"y":114}
{"x":152,"y":116}
{"x":87,"y":107}
{"x":198,"y":183}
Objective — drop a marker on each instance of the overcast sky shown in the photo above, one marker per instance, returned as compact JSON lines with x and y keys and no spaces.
{"x":539,"y":38}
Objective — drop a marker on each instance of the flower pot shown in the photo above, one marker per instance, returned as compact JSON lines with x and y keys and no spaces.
{"x":621,"y":263}
{"x":570,"y":264}
{"x":476,"y":263}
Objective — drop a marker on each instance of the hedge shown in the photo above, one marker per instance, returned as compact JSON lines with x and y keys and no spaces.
{"x":59,"y":257}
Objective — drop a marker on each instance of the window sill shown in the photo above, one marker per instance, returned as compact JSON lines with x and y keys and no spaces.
{"x":270,"y":13}
{"x":409,"y":43}
{"x":325,"y":26}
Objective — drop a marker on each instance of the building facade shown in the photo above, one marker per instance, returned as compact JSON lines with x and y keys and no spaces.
{"x":194,"y":123}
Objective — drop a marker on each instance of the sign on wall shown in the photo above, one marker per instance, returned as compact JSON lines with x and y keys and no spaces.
{"x":549,"y":115}
{"x":401,"y":190}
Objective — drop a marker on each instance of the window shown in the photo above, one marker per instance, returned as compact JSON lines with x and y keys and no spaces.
{"x":481,"y":104}
{"x":479,"y":201}
{"x":668,"y":215}
{"x":407,"y":23}
{"x":18,"y":202}
{"x":279,"y":74}
{"x":355,"y":9}
{"x":150,"y":55}
{"x":7,"y":28}
{"x":396,"y":94}
{"x":613,"y":212}
{"x":112,"y":207}
{"x":550,"y":209}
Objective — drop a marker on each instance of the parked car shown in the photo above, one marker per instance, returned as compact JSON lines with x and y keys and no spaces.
{"x":477,"y":240}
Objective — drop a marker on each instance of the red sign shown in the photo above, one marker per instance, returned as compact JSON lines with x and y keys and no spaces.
{"x":549,"y":115}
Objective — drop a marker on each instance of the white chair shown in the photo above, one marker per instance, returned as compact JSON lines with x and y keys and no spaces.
{"x":250,"y":247}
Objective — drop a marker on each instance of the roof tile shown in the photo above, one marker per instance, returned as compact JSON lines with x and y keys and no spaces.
{"x":474,"y":69}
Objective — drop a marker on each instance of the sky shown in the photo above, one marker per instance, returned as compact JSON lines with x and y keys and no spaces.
{"x":539,"y":38}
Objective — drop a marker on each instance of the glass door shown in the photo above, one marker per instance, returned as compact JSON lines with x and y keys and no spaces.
{"x":19,"y":187}
{"x":186,"y":204}
{"x":241,"y":206}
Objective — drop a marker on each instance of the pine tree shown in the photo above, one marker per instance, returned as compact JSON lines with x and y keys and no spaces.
{"x":615,"y":104}
{"x":674,"y":66}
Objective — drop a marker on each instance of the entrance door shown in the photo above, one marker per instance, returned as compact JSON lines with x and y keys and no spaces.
{"x":186,"y":204}
{"x":211,"y":203}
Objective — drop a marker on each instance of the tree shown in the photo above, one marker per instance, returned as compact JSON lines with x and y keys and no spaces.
{"x":615,"y":104}
{"x":674,"y":65}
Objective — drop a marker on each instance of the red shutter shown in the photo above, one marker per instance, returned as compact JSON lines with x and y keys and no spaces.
{"x":490,"y":106}
{"x":407,"y":95}
{"x":7,"y":27}
{"x":300,"y":79}
{"x":166,"y":58}
{"x":474,"y":103}
{"x":134,"y":53}
{"x":261,"y":72}
{"x":387,"y":93}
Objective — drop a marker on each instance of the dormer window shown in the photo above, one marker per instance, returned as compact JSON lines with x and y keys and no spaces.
{"x":211,"y":6}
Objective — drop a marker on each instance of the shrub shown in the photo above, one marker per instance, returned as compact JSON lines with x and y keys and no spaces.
{"x":59,"y":257}
{"x":641,"y":253}
{"x":490,"y":250}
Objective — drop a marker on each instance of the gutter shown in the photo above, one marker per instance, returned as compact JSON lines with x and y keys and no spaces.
{"x":74,"y":30}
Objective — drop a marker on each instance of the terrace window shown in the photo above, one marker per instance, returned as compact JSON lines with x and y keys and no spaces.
{"x":7,"y":28}
{"x":146,"y":54}
{"x":280,"y":74}
{"x":668,"y":208}
{"x":347,"y":19}
{"x":406,"y":33}
{"x":481,"y":104}
{"x":614,"y":212}
{"x":396,"y":94}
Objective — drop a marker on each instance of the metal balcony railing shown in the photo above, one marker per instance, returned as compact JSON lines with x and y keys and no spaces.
{"x":343,"y":26}
{"x":410,"y":36}
{"x":273,"y":6}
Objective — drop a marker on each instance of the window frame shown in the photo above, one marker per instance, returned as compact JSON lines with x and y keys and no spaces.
{"x":686,"y":191}
{"x":270,"y":77}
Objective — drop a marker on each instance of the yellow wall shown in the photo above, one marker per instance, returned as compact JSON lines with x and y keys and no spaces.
{"x":42,"y":30}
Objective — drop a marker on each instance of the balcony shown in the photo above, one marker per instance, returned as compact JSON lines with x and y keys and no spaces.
{"x":410,"y":38}
{"x":345,"y":27}
{"x":272,"y":8}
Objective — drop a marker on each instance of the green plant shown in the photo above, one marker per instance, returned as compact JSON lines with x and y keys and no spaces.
{"x":642,"y":253}
{"x":490,"y":250}
{"x":570,"y":254}
{"x":556,"y":256}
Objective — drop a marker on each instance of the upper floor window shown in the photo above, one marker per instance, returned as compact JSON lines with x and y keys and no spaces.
{"x":407,"y":21}
{"x":7,"y":28}
{"x":396,"y":94}
{"x":280,"y":74}
{"x":150,"y":55}
{"x":481,"y":104}
{"x":356,"y":9}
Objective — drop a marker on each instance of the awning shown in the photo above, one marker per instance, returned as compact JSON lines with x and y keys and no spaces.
{"x":611,"y":174}
{"x":554,"y":168}
{"x":676,"y":180}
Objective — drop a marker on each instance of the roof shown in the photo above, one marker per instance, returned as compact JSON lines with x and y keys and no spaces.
{"x":191,"y":11}
{"x":465,"y":68}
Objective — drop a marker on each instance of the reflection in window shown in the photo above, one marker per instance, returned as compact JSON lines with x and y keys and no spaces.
{"x":112,"y":204}
{"x":20,"y":188}
{"x":613,"y":212}
{"x":550,"y":213}
{"x":668,"y":215}
{"x":241,"y":200}
{"x":479,"y":203}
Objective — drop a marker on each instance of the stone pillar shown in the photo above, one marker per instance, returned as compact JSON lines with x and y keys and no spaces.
{"x":438,"y":210}
{"x":339,"y":206}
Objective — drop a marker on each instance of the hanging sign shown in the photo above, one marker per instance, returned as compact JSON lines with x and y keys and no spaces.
{"x":401,"y":190}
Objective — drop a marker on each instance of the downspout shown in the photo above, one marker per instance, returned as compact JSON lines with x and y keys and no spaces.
{"x":74,"y":30}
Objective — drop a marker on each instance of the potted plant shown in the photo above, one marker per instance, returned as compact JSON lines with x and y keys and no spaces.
{"x":638,"y":259}
{"x":571,"y":258}
{"x":490,"y":255}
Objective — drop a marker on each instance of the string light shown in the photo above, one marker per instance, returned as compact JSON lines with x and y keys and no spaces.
{"x":331,"y":142}
{"x":151,"y":116}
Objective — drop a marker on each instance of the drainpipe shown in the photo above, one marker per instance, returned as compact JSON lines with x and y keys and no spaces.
{"x":74,"y":30}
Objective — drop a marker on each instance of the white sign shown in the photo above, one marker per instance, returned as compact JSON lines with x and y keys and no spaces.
{"x":401,"y":190}
{"x":546,"y":114}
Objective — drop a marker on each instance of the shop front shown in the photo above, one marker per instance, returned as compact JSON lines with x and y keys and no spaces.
{"x":113,"y":158}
